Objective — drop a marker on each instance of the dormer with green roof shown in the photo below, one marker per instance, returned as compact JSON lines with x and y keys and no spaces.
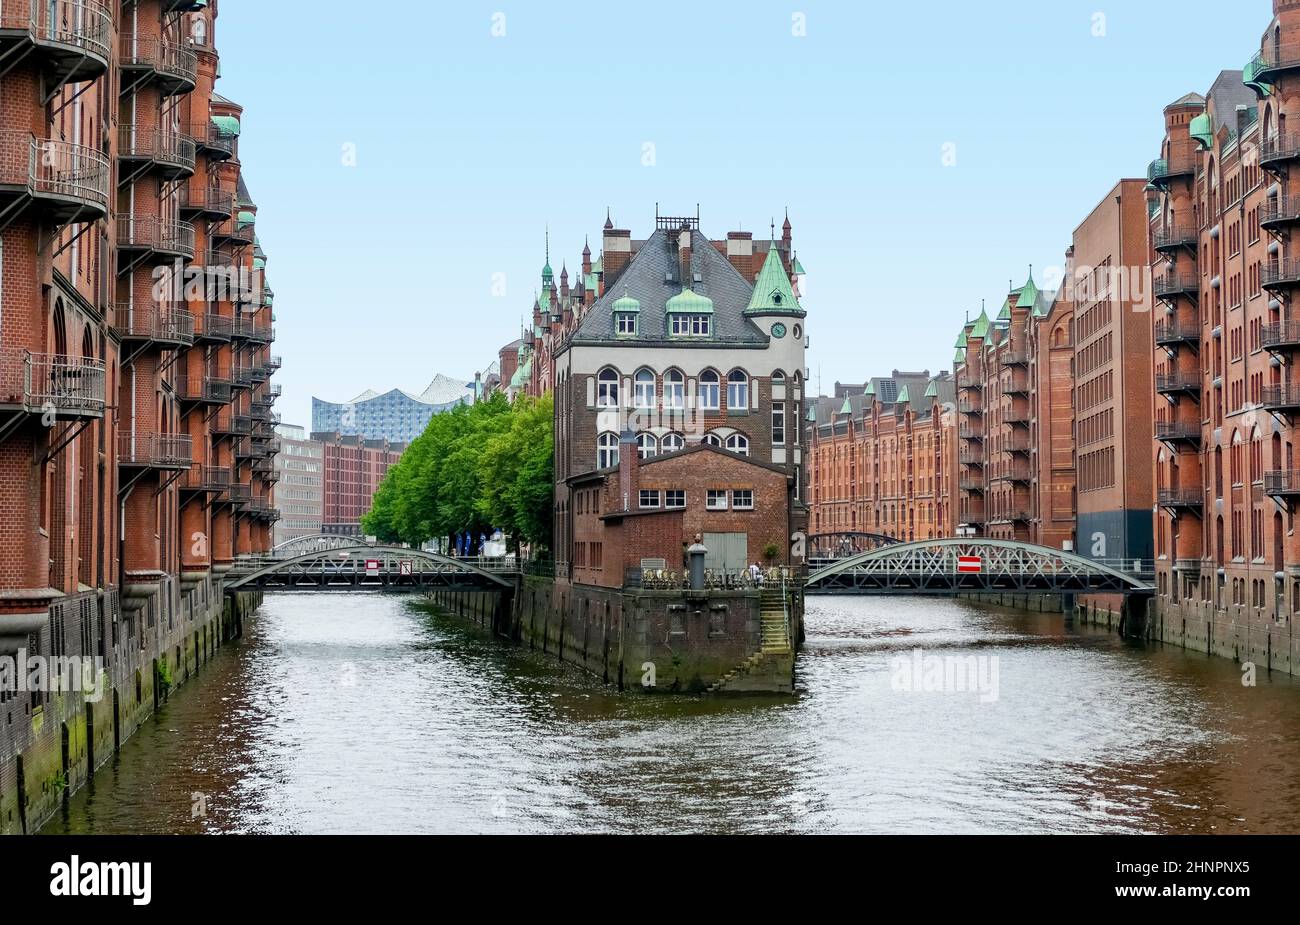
{"x":627,"y":316}
{"x":773,"y":294}
{"x":903,"y":397}
{"x":689,"y":314}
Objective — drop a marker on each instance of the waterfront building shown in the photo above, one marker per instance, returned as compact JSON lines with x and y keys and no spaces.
{"x":694,"y":347}
{"x":300,"y":493}
{"x":881,"y":458}
{"x":352,"y":468}
{"x":131,"y":471}
{"x":396,"y":416}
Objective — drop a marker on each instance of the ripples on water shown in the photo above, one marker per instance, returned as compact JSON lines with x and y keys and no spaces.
{"x":371,"y":713}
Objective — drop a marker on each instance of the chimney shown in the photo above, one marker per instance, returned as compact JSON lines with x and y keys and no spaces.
{"x":740,"y":251}
{"x":616,"y":249}
{"x":684,"y":257}
{"x":629,"y":464}
{"x":586,"y":257}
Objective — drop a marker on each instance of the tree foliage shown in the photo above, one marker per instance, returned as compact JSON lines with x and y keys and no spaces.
{"x":475,"y":468}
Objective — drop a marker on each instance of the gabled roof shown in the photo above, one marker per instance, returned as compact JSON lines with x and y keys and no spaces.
{"x":652,"y":278}
{"x":772,"y":291}
{"x":981,"y":327}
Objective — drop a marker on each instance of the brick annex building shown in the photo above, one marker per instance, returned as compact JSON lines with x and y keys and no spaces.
{"x":135,"y":418}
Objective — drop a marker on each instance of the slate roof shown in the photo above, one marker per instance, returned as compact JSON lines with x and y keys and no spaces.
{"x":1225,"y":96}
{"x":652,"y":279}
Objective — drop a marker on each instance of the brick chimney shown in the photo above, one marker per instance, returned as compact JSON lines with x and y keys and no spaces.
{"x":616,"y":251}
{"x":740,"y":251}
{"x":684,"y":257}
{"x":629,"y":474}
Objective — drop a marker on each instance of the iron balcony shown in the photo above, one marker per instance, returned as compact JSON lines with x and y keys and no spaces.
{"x":1273,"y":62}
{"x":1281,"y":274}
{"x":213,"y":142}
{"x":72,"y":38}
{"x":155,"y":451}
{"x":204,"y":390}
{"x":1020,"y":418}
{"x":234,"y":231}
{"x":966,"y":432}
{"x":1280,"y":212}
{"x":207,"y":203}
{"x":173,"y":68}
{"x":1176,"y":432}
{"x":65,"y":182}
{"x":147,"y":325}
{"x":1171,"y":239}
{"x":1281,"y":335}
{"x":170,"y":154}
{"x":155,"y":237}
{"x":37,"y":383}
{"x":971,"y":484}
{"x":1015,"y":358}
{"x":1279,"y":149}
{"x":238,"y":493}
{"x":1178,"y":383}
{"x":1172,"y":333}
{"x":1016,"y":385}
{"x":1180,"y":165}
{"x":1282,"y":483}
{"x":1017,"y":443}
{"x":1181,"y":498}
{"x":1013,"y":473}
{"x":1284,"y":396}
{"x":969,"y":407}
{"x":1170,"y":285}
{"x":213,"y":328}
{"x":206,"y":479}
{"x":971,"y":457}
{"x":232,"y":424}
{"x":969,"y":381}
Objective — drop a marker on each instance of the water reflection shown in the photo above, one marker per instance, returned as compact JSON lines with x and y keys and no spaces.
{"x":371,"y":713}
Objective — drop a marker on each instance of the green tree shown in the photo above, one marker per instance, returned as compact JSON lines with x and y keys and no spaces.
{"x":516,"y":472}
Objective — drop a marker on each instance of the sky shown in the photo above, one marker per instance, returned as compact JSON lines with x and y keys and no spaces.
{"x":406,"y":167}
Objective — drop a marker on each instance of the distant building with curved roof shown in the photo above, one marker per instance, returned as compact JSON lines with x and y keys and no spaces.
{"x":397,"y":415}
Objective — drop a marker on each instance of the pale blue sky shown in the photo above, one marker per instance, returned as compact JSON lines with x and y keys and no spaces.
{"x":468,"y":145}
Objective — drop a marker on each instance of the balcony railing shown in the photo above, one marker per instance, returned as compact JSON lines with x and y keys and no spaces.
{"x":174,"y":67}
{"x":46,"y":383}
{"x":205,"y":478}
{"x":1168,"y":333}
{"x":1284,"y":396}
{"x":969,"y":407}
{"x":155,"y":451}
{"x":969,"y":484}
{"x":1015,"y":358}
{"x":1284,"y":210}
{"x":239,"y":493}
{"x":212,"y":140}
{"x":1169,"y":239}
{"x":969,"y":381}
{"x":209,"y":202}
{"x":1171,"y":383}
{"x":966,"y":432}
{"x":1280,"y":274}
{"x":1279,"y":148}
{"x":1013,"y":473}
{"x":1016,"y":443}
{"x":1015,"y":416}
{"x":74,"y":36}
{"x":155,"y":235}
{"x":1170,"y":284}
{"x":1178,"y":432}
{"x":235,"y":231}
{"x":1275,"y":60}
{"x":1280,"y":335}
{"x":69,"y":181}
{"x":1282,"y":482}
{"x":1179,"y":164}
{"x":207,"y":390}
{"x":172,"y":152}
{"x":975,"y":518}
{"x":1016,"y":385}
{"x":147,"y":323}
{"x":237,"y":424}
{"x":1180,"y":497}
{"x":211,"y":327}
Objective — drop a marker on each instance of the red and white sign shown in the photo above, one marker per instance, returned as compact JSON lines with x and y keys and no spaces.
{"x":372,"y":568}
{"x":967,"y":564}
{"x":405,"y":566}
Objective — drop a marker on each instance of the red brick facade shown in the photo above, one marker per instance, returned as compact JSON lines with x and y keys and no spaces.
{"x":353,"y":469}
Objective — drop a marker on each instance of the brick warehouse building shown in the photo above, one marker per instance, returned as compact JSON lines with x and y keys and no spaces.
{"x":1223,"y":210}
{"x":352,"y":470}
{"x":135,"y":406}
{"x":882,"y":459}
{"x":693,"y":343}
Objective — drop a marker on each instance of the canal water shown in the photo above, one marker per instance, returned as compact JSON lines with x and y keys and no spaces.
{"x":373,"y":713}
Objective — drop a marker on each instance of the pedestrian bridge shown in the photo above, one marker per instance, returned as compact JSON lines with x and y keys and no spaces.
{"x":362,"y":566}
{"x":972,"y":565}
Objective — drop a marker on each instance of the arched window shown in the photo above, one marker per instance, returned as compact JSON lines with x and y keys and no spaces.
{"x":737,"y":389}
{"x":646,"y":446}
{"x":607,"y":451}
{"x":671,"y":443}
{"x":607,"y":388}
{"x":712,"y":439}
{"x":643,"y":389}
{"x":709,"y":391}
{"x":738,"y":443}
{"x":674,"y":389}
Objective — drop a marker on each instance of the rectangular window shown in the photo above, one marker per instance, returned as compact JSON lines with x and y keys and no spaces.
{"x":742,"y":499}
{"x":675,"y":498}
{"x":700,"y":325}
{"x":778,"y":423}
{"x":716,"y":499}
{"x":627,"y":324}
{"x":649,"y":498}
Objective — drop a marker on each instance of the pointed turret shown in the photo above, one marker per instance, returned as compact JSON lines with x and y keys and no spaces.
{"x":772,"y":293}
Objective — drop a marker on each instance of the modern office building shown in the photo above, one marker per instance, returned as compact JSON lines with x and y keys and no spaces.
{"x":300,"y":492}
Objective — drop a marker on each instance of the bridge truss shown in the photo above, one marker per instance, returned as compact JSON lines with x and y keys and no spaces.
{"x":376,"y":567}
{"x":961,"y":565}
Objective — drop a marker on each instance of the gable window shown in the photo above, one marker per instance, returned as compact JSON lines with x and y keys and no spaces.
{"x":647,"y":446}
{"x":778,"y":423}
{"x":713,"y":439}
{"x":675,"y":498}
{"x":607,"y":388}
{"x":710,"y":390}
{"x":715,"y":499}
{"x":643,"y":389}
{"x":649,"y":498}
{"x":742,"y":499}
{"x":737,"y":390}
{"x":671,"y":443}
{"x":607,"y":451}
{"x":626,"y":323}
{"x":674,"y":389}
{"x":691,"y":325}
{"x":738,"y":443}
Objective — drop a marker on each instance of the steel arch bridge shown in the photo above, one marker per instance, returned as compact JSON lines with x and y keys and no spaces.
{"x":1004,"y":566}
{"x":845,"y":544}
{"x":317,"y":542}
{"x":368,"y":567}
